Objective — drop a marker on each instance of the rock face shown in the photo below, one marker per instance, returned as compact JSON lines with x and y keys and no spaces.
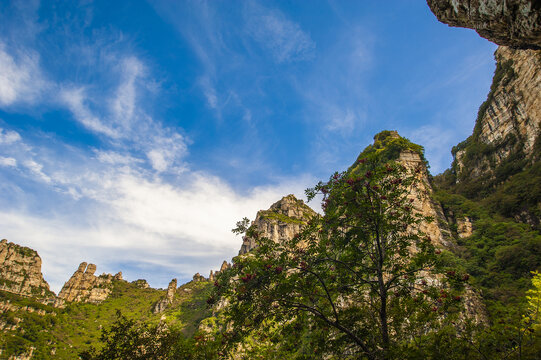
{"x":438,"y":230}
{"x":198,"y":277}
{"x":514,"y":23}
{"x":281,"y":221}
{"x":141,"y":283}
{"x":169,"y":297}
{"x":20,"y":271}
{"x":84,"y":286}
{"x":506,"y":139}
{"x":508,"y":123}
{"x":214,"y":274}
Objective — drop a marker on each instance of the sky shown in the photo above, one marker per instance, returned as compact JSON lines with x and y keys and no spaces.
{"x":134,"y":134}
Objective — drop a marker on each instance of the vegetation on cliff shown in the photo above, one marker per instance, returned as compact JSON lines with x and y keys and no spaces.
{"x":63,"y":332}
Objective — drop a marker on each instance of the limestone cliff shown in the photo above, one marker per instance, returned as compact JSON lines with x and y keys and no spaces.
{"x":84,"y":286}
{"x":506,"y":141}
{"x":161,"y":305}
{"x":514,"y":23}
{"x":508,"y":123}
{"x":20,"y":271}
{"x":423,"y":201}
{"x":281,"y":221}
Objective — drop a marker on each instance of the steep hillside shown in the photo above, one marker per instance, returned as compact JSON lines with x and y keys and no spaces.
{"x":20,"y":271}
{"x":499,"y":164}
{"x":27,"y":326}
{"x":34,"y":323}
{"x":491,"y":196}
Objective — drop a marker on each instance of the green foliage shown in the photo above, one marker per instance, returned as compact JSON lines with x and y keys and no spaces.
{"x":72,"y":329}
{"x":520,"y":194}
{"x":387,"y":147}
{"x":129,"y":339}
{"x":348,"y":283}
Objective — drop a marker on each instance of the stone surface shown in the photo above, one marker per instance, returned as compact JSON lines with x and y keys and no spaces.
{"x":20,"y":271}
{"x":214,"y":274}
{"x":464,"y":227}
{"x":423,"y":201}
{"x":162,"y":305}
{"x":84,"y":286}
{"x":198,"y":277}
{"x":510,"y":119}
{"x":141,"y":283}
{"x":281,"y":221}
{"x":514,"y":23}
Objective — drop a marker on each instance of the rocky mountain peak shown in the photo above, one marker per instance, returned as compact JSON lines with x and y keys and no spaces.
{"x":281,"y":221}
{"x":84,"y":286}
{"x":20,"y":271}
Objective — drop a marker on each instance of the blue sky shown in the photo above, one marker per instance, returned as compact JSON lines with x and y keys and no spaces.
{"x":133,"y":134}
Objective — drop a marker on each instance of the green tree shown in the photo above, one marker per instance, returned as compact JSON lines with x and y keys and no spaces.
{"x":129,"y":339}
{"x":362,"y":275}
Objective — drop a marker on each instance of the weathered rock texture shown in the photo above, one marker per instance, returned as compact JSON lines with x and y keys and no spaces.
{"x":515,"y":23}
{"x":281,"y":221}
{"x":84,"y":286}
{"x":169,"y":297}
{"x":214,"y":274}
{"x":20,"y":271}
{"x":508,"y":123}
{"x":198,"y":277}
{"x":506,"y":139}
{"x":141,"y":283}
{"x":423,"y":202}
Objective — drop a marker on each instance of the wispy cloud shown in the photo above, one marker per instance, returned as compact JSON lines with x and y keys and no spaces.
{"x":20,"y":78}
{"x":8,"y":137}
{"x":127,"y":215}
{"x":8,"y":161}
{"x":123,"y":105}
{"x":283,"y":38}
{"x":75,"y":99}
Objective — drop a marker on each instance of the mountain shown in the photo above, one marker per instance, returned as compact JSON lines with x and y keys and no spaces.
{"x":20,"y":272}
{"x":500,"y":162}
{"x":486,"y":210}
{"x":281,"y":221}
{"x":36,"y":324}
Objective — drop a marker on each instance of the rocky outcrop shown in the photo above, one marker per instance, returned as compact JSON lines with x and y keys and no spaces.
{"x":198,"y":277}
{"x":141,"y":283}
{"x":84,"y":286}
{"x":169,"y":297}
{"x":214,"y":274}
{"x":506,"y":135}
{"x":20,"y":271}
{"x":464,"y":227}
{"x":515,"y":23}
{"x":281,"y":221}
{"x":423,"y":201}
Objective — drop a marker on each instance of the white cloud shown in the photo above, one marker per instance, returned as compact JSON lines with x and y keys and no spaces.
{"x":37,"y":169}
{"x":123,"y":105}
{"x":114,"y":158}
{"x":144,"y":222}
{"x":8,"y":161}
{"x":284,"y":38}
{"x":157,"y":159}
{"x":8,"y":137}
{"x":342,"y":121}
{"x":20,"y":77}
{"x":75,"y":99}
